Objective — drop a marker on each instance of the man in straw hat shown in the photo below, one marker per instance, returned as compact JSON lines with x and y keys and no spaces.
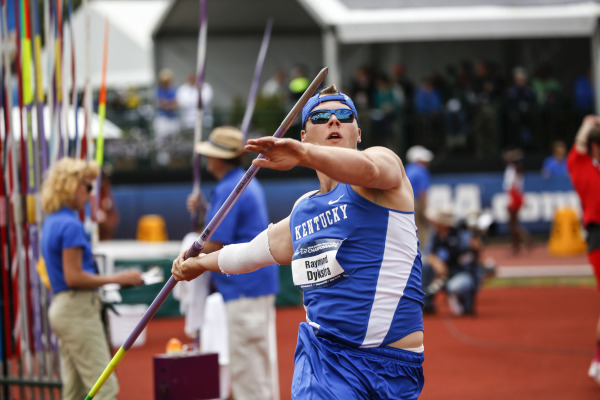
{"x":249,"y":298}
{"x":451,"y":262}
{"x":352,"y":245}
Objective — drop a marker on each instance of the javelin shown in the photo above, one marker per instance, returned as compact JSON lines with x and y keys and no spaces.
{"x":199,"y":244}
{"x":201,"y":70}
{"x":102,"y":102}
{"x":257,"y":72}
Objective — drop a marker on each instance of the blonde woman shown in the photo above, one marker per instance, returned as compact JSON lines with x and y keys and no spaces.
{"x":74,"y":313}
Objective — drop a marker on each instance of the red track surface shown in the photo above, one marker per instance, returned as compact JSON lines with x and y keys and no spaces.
{"x":525,"y":343}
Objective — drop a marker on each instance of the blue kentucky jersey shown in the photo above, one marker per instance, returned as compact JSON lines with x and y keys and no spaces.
{"x":359,"y":267}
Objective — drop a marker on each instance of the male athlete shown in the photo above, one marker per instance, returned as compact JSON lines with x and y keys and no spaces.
{"x":353,"y":249}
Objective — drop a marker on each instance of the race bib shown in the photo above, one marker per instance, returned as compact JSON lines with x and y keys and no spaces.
{"x":314,"y":264}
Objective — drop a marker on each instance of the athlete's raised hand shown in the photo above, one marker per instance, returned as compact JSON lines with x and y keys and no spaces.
{"x":281,"y":154}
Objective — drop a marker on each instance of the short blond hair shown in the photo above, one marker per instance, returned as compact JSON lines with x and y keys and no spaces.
{"x":165,"y":76}
{"x":331,"y":89}
{"x":62,"y":180}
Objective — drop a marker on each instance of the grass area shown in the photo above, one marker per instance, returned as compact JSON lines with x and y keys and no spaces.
{"x":587,"y":281}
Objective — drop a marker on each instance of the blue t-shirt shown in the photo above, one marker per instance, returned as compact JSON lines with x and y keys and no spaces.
{"x":553,"y":167}
{"x":428,"y":101}
{"x":246,"y":219}
{"x":166,"y":94}
{"x":63,"y":230}
{"x":583,"y":93}
{"x":419,"y":178}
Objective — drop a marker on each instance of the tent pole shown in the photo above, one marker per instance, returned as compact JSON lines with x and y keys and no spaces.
{"x":330,"y":56}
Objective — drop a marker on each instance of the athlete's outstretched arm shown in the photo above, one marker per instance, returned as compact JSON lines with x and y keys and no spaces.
{"x":274,"y":245}
{"x":376,"y":167}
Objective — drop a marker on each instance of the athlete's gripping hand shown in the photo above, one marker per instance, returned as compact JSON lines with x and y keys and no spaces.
{"x":281,"y":153}
{"x":186,"y":270}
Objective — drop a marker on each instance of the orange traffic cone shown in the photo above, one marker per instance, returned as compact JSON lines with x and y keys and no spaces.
{"x":566,"y":236}
{"x":174,"y":345}
{"x":152,"y":228}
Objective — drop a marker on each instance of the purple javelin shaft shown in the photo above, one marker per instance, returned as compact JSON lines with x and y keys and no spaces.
{"x":199,"y":244}
{"x":256,"y":79}
{"x":201,"y":71}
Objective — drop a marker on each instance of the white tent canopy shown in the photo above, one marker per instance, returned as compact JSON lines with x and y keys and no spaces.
{"x":354,"y":32}
{"x":109,"y":129}
{"x":385,"y":21}
{"x":381,"y":21}
{"x":130,"y":46}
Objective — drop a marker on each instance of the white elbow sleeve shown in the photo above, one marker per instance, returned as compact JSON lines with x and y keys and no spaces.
{"x":246,"y":257}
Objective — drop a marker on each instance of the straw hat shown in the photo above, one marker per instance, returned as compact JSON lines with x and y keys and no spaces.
{"x":442,"y":216}
{"x":224,"y":142}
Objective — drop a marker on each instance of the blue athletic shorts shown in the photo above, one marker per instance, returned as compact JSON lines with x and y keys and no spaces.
{"x":326,"y":370}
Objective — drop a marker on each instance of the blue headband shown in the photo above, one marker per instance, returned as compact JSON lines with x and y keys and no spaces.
{"x":318,"y":99}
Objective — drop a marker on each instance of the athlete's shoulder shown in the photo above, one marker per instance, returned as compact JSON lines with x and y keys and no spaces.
{"x":305,"y":195}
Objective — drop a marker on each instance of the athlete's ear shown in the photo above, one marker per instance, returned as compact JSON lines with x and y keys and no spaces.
{"x":302,"y":135}
{"x":359,"y":139}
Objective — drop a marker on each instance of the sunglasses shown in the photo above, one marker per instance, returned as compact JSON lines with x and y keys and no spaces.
{"x":88,"y":186}
{"x":343,"y":115}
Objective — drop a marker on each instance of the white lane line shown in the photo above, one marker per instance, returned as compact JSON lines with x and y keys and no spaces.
{"x":535,"y":271}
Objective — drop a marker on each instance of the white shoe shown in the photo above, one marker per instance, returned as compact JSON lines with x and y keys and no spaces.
{"x":594,"y":371}
{"x":457,"y":309}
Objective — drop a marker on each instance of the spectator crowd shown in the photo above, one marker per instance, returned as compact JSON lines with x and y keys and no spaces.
{"x":471,"y":108}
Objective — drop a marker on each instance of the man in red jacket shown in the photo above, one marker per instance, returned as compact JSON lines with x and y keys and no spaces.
{"x":583,"y":163}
